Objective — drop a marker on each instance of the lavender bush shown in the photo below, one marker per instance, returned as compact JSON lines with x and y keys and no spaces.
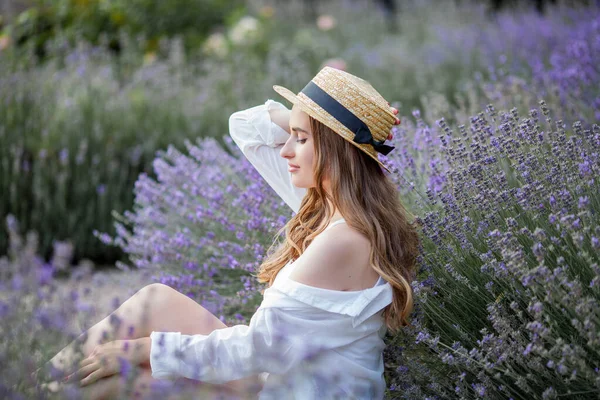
{"x":41,"y":314}
{"x":510,"y":301}
{"x":204,"y":224}
{"x":36,"y":316}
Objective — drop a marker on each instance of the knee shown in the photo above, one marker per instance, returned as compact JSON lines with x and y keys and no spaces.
{"x":147,"y":304}
{"x":157,"y":289}
{"x":152,"y":295}
{"x":158,"y":294}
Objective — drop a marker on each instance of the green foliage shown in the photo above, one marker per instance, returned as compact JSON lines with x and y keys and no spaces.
{"x":193,"y":19}
{"x":72,"y":20}
{"x":97,"y":20}
{"x":71,"y":148}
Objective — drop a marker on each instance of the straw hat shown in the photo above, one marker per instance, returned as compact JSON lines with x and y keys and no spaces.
{"x":348,"y":105}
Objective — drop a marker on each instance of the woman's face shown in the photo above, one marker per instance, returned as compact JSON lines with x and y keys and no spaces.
{"x":299,"y":149}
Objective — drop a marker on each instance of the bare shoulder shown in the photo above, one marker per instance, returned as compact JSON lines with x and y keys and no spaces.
{"x":338,"y":259}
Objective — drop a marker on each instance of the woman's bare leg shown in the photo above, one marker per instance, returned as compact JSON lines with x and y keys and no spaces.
{"x":146,"y":387}
{"x":155,"y":307}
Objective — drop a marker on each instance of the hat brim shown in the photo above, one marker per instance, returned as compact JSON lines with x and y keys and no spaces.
{"x":295,"y":99}
{"x":286,"y":93}
{"x":311,"y":109}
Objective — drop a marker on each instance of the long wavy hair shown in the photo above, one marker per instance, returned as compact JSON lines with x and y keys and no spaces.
{"x":370,"y":204}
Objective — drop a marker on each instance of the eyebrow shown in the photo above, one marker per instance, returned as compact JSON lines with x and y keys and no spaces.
{"x":295,"y":129}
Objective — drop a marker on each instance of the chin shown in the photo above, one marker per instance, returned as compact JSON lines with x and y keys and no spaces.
{"x":299,"y":183}
{"x":300,"y":186}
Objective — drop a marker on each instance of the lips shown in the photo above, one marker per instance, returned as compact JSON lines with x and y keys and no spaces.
{"x":293,"y":166}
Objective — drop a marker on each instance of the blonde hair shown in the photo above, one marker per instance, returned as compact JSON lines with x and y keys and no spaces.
{"x":370,"y":204}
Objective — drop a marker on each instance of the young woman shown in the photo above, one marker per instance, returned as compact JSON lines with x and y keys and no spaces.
{"x":337,"y":283}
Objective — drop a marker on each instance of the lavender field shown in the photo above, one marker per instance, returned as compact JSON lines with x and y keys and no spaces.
{"x":129,"y":164}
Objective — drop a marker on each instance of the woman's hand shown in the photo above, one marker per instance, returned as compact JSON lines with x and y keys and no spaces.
{"x":397,"y":122}
{"x":111,"y":358}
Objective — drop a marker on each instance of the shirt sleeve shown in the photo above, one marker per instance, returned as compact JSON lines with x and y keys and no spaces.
{"x":237,"y":352}
{"x":261,"y":140}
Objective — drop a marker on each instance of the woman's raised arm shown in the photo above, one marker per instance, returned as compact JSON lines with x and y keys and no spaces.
{"x":281,"y":118}
{"x":260,"y":139}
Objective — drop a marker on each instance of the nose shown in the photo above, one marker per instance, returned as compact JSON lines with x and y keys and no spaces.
{"x":287,"y":151}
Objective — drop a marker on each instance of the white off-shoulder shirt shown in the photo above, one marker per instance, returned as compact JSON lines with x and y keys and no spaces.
{"x":305,"y":342}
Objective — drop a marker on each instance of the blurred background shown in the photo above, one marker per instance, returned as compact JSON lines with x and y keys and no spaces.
{"x":91,"y":89}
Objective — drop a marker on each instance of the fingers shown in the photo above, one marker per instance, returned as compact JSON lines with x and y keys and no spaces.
{"x":394,"y":110}
{"x":83,"y":372}
{"x":87,"y":361}
{"x":396,"y":122}
{"x":93,"y":377}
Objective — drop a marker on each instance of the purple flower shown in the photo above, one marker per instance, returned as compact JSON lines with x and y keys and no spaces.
{"x":63,"y":156}
{"x":124,"y":367}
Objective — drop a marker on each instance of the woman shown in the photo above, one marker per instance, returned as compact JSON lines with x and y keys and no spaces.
{"x":339,"y":281}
